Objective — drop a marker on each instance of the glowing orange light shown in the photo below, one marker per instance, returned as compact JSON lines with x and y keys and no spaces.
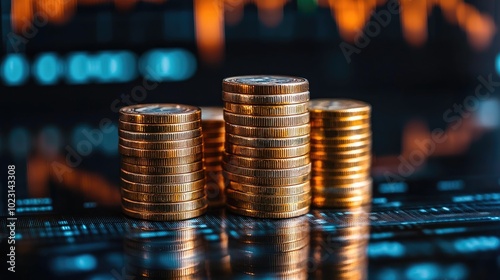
{"x":350,"y":15}
{"x":209,"y":23}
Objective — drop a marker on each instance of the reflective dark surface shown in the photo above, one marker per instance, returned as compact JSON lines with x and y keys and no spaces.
{"x":438,"y":240}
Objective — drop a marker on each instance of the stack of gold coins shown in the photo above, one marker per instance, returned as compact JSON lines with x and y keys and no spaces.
{"x":162,"y":174}
{"x":266,"y":160}
{"x":276,"y":249}
{"x":340,"y":252}
{"x":212,"y":122}
{"x":340,"y":152}
{"x":177,"y":253}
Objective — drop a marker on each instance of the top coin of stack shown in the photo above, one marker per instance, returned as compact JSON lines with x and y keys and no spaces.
{"x":212,"y":122}
{"x":267,"y":144}
{"x":340,"y":152}
{"x":162,"y":174}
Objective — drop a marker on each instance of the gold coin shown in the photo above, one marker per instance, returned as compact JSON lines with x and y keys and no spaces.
{"x":277,"y":99}
{"x":163,"y":161}
{"x":338,"y":180}
{"x":209,"y":160}
{"x":161,"y":145}
{"x":268,"y":132}
{"x":163,"y":188}
{"x":337,"y":149}
{"x":263,"y":110}
{"x":165,"y":216}
{"x":163,"y":170}
{"x":213,"y":146}
{"x":270,"y":173}
{"x":340,"y":155}
{"x":214,"y":133}
{"x":214,"y":140}
{"x":267,"y":215}
{"x":164,"y":207}
{"x":270,"y":153}
{"x":341,"y":171}
{"x":345,"y":140}
{"x":330,"y":133}
{"x":162,"y":198}
{"x":266,"y":121}
{"x":163,"y":179}
{"x":126,"y":151}
{"x":159,"y":128}
{"x":336,"y":123}
{"x":160,"y":113}
{"x":277,"y":191}
{"x":357,"y":201}
{"x":326,"y":108}
{"x":347,"y":188}
{"x":188,"y":271}
{"x":211,"y":114}
{"x":267,"y":142}
{"x":265,"y":84}
{"x":171,"y":136}
{"x":268,"y":207}
{"x":263,"y":181}
{"x":247,"y":162}
{"x":267,"y":199}
{"x":344,"y":163}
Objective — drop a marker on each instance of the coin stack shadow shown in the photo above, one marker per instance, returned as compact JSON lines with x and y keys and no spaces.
{"x":212,"y":122}
{"x":273,"y":249}
{"x":176,"y":253}
{"x":266,"y":163}
{"x":340,"y":251}
{"x":162,"y":176}
{"x":340,"y":153}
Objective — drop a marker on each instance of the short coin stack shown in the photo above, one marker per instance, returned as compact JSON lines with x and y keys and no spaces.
{"x":212,"y":122}
{"x":266,"y":159}
{"x":162,"y":174}
{"x":340,"y":152}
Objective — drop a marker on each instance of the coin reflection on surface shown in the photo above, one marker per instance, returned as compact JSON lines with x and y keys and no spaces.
{"x":339,"y":250}
{"x":175,"y":252}
{"x":269,"y":249}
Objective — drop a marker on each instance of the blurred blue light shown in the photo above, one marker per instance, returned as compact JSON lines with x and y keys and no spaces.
{"x":78,"y":68}
{"x":47,"y":68}
{"x":109,"y":145}
{"x":390,"y":249}
{"x":167,"y":65}
{"x":497,"y":64}
{"x":34,"y":201}
{"x":423,"y":271}
{"x":14,"y":69}
{"x":19,"y":142}
{"x":457,"y":271}
{"x":84,"y":262}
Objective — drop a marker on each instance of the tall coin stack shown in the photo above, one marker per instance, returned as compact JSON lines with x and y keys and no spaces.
{"x":162,"y":176}
{"x":340,"y":152}
{"x":212,"y":122}
{"x":266,"y":159}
